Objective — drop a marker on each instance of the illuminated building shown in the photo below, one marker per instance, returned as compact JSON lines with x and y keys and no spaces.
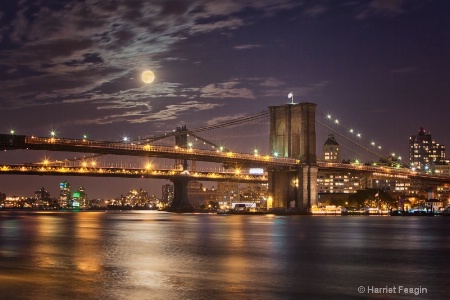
{"x":227,"y":192}
{"x":442,"y":168}
{"x":12,"y":202}
{"x":257,"y":193}
{"x":198,"y":194}
{"x":403,"y":186}
{"x":137,"y":198}
{"x":332,"y":182}
{"x":167,"y":193}
{"x":331,"y":149}
{"x":79,"y":198}
{"x":42,"y":197}
{"x":424,"y":152}
{"x":338,"y":182}
{"x":64,"y":194}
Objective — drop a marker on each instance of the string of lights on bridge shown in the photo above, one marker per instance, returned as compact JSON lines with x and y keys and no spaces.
{"x":238,"y":121}
{"x":358,"y":136}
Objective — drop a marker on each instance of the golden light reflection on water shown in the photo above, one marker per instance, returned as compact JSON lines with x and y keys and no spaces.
{"x":47,"y":230}
{"x":87,"y":253}
{"x":84,"y":227}
{"x":127,"y":255}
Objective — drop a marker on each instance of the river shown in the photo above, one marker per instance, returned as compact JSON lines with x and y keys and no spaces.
{"x":157,"y":255}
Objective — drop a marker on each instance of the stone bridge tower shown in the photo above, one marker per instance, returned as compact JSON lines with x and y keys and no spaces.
{"x":293,"y":135}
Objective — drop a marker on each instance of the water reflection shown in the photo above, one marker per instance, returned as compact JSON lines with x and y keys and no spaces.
{"x":151,"y":255}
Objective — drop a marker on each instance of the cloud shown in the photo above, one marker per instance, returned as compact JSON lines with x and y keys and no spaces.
{"x":136,"y":115}
{"x":80,"y":57}
{"x":174,"y":111}
{"x":247,"y":46}
{"x":383,"y":7}
{"x":229,"y":24}
{"x":221,"y":119}
{"x":78,"y":48}
{"x":392,"y":6}
{"x":226,"y":90}
{"x":272,"y":82}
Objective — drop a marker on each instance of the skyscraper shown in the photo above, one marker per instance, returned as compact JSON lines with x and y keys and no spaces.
{"x":64,"y":194}
{"x":424,"y":152}
{"x":167,"y":193}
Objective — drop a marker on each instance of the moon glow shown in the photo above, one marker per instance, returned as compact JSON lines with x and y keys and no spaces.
{"x":148,"y":76}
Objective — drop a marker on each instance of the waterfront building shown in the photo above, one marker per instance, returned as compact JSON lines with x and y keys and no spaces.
{"x":256,"y":193}
{"x":79,"y":198}
{"x":137,"y":198}
{"x":200,"y":196}
{"x":42,"y":197}
{"x":424,"y":152}
{"x":443,"y":192}
{"x":441,"y":168}
{"x":338,"y":182}
{"x":13,"y":202}
{"x":64,"y":194}
{"x":227,"y":193}
{"x":401,"y":186}
{"x":434,"y":204}
{"x":167,"y":193}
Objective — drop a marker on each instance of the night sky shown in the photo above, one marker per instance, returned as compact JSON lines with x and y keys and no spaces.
{"x":382,"y":66}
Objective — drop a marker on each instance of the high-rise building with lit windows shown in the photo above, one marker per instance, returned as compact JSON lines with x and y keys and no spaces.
{"x":64,"y":194}
{"x":333,"y":182}
{"x":228,"y":192}
{"x":424,"y":152}
{"x":167,"y":193}
{"x":331,"y":149}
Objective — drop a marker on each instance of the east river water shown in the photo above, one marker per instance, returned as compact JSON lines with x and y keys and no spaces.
{"x":156,"y":255}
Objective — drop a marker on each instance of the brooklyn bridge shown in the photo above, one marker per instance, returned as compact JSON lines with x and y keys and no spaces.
{"x":290,"y":161}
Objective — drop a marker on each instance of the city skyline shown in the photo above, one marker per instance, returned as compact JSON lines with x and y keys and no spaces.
{"x":75,"y":67}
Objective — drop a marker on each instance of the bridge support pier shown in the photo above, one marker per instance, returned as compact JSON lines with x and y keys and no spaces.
{"x":292,"y":134}
{"x":294,"y":189}
{"x":180,"y":202}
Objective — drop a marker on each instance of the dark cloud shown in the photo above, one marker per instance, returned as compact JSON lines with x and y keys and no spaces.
{"x":48,"y":51}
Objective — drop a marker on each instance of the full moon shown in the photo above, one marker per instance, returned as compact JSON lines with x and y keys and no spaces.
{"x":148,"y":76}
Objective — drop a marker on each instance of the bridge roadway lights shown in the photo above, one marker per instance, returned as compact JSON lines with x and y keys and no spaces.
{"x":180,"y":202}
